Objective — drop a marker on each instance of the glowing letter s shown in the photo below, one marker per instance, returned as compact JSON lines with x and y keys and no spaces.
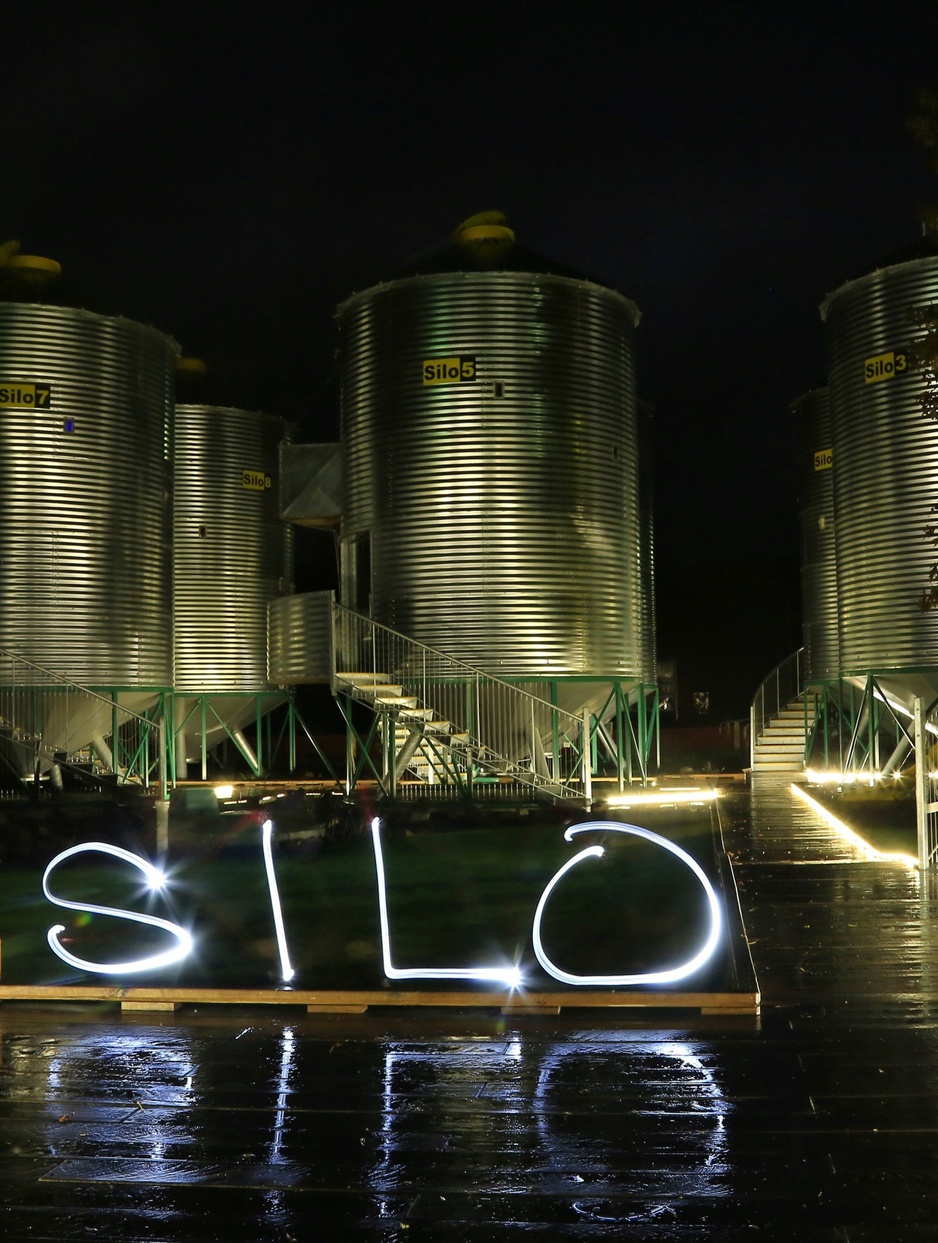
{"x":596,"y":852}
{"x":154,"y":878}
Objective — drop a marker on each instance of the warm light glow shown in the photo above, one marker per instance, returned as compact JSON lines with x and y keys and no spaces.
{"x":596,"y":852}
{"x":286,"y":969}
{"x":155,"y":879}
{"x":841,"y":779}
{"x":223,"y":792}
{"x":879,"y":856}
{"x":502,"y":975}
{"x":662,"y":797}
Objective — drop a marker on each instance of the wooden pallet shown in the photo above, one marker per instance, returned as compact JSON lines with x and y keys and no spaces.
{"x":358,"y":1001}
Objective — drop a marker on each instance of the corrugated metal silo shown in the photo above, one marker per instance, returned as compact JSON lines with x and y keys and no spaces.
{"x":818,"y":554}
{"x":85,"y":487}
{"x":885,"y":468}
{"x":491,"y":469}
{"x":233,"y":554}
{"x":646,"y":512}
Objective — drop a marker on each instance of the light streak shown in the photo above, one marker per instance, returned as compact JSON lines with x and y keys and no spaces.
{"x":596,"y":852}
{"x":502,"y":975}
{"x":870,"y":852}
{"x":286,"y":969}
{"x":155,"y":879}
{"x":662,"y":798}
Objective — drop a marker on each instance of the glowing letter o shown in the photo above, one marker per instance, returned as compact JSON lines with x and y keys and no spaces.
{"x":596,"y":852}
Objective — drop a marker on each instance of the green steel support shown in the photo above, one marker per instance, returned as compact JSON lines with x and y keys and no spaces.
{"x":621,"y":711}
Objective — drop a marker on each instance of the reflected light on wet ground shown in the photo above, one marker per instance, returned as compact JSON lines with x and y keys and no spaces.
{"x":820,"y":1123}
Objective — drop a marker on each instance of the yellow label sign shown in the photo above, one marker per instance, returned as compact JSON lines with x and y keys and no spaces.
{"x":885,"y":366}
{"x":460,"y":370}
{"x":823,"y":459}
{"x":255,"y":480}
{"x":17,"y":396}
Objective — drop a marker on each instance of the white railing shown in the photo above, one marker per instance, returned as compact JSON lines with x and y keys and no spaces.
{"x":46,"y":719}
{"x":478,"y":721}
{"x":774,"y":693}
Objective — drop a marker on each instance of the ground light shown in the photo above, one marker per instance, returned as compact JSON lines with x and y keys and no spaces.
{"x":848,"y":834}
{"x":668,"y":798}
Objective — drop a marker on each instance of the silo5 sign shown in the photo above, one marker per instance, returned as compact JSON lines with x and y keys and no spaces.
{"x":460,"y":370}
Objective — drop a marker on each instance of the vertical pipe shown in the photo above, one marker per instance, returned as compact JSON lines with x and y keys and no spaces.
{"x":587,"y":769}
{"x":921,"y":783}
{"x":115,"y":736}
{"x":204,"y":747}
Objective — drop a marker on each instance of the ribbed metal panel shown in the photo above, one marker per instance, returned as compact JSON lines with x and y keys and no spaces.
{"x":885,"y":470}
{"x":503,"y":513}
{"x":300,"y":638}
{"x":818,"y":554}
{"x":232,"y":552}
{"x":646,"y":512}
{"x":85,"y":509}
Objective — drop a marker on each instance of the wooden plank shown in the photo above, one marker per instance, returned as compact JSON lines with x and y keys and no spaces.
{"x":535,"y":1009}
{"x":150,"y":1005}
{"x":336,"y":1008}
{"x":357,"y":1001}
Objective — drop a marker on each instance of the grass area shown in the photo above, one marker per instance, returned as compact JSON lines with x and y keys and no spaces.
{"x":459,"y":895}
{"x":883,"y":814}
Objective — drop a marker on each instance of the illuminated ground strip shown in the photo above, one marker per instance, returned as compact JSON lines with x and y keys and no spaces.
{"x":510,"y":976}
{"x":666,"y":798}
{"x":154,"y":878}
{"x":286,"y":968}
{"x":878,"y":856}
{"x":596,"y":852}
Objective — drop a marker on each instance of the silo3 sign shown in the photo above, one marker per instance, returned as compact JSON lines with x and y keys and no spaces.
{"x":885,"y":366}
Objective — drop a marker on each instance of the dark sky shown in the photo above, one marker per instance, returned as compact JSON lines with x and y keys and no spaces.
{"x":230,"y":171}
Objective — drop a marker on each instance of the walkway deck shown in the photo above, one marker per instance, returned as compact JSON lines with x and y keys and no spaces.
{"x":820,"y":1123}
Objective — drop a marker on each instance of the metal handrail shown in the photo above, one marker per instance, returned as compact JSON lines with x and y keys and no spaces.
{"x":43,"y":715}
{"x":775,"y":692}
{"x":489,"y":722}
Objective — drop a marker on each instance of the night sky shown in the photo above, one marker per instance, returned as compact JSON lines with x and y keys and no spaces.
{"x":230,"y":171}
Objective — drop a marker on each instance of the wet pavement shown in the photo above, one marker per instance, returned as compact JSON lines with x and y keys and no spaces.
{"x":819,"y":1122}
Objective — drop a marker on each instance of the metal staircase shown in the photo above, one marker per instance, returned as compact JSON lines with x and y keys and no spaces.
{"x":778,"y":720}
{"x":444,"y":722}
{"x":781,"y":746}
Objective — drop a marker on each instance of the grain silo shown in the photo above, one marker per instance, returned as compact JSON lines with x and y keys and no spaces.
{"x":85,"y":514}
{"x":885,"y":476}
{"x":491,"y":465}
{"x":233,"y":556}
